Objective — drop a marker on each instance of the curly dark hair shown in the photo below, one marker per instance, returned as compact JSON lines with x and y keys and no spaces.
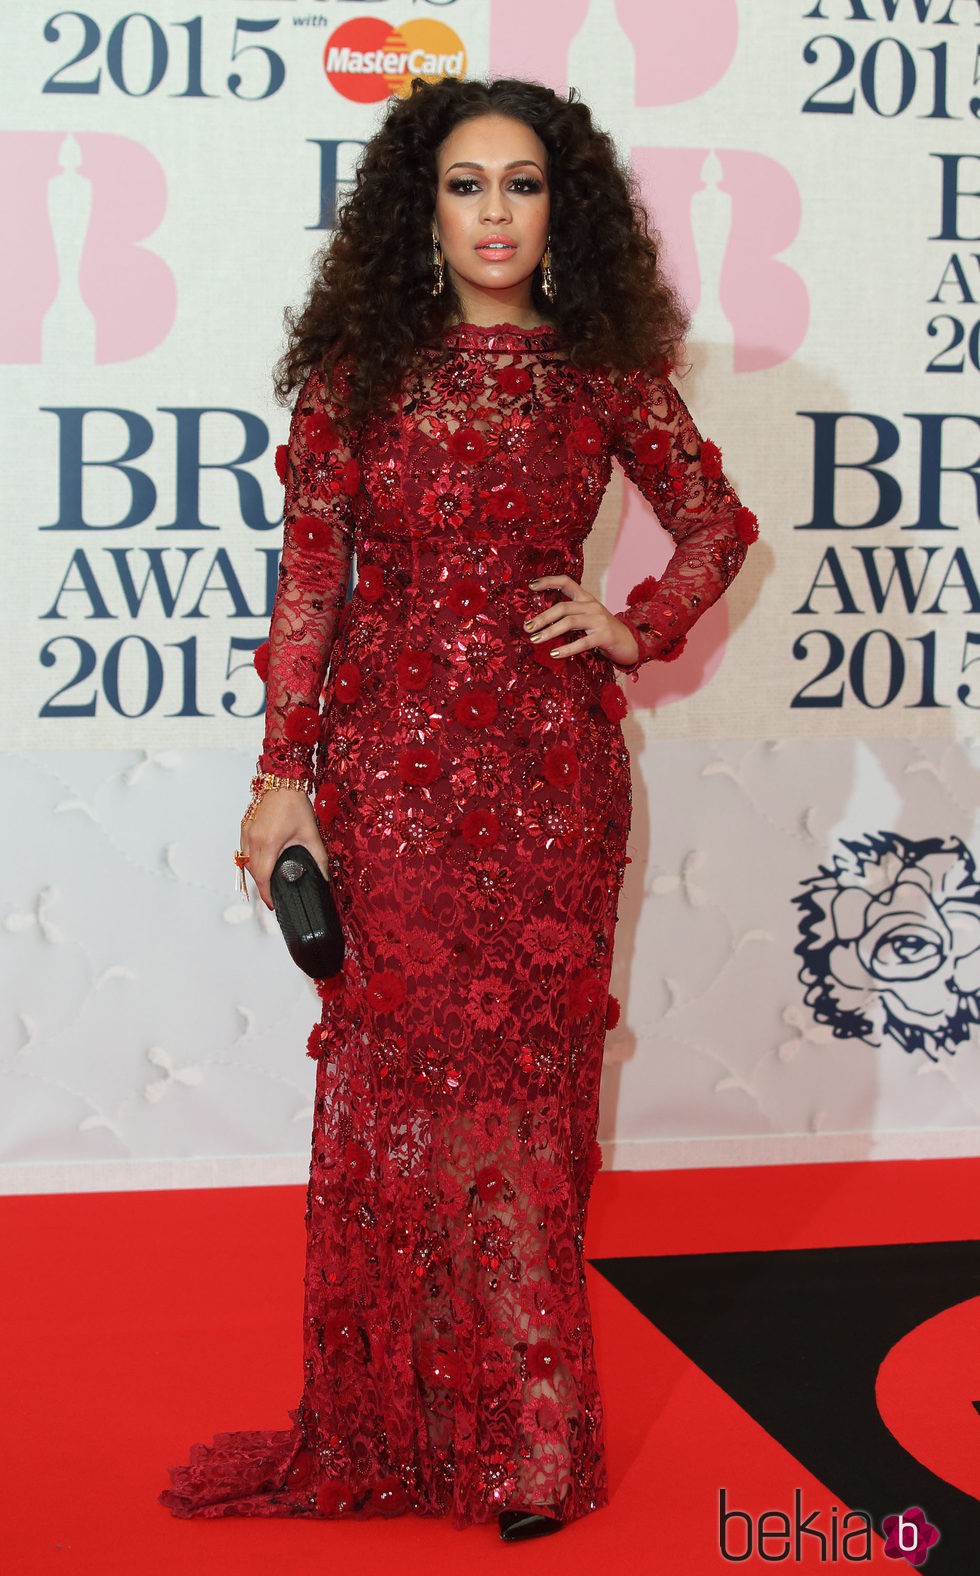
{"x":371,"y":299}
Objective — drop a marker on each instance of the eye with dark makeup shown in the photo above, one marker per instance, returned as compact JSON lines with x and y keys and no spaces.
{"x":523,"y":185}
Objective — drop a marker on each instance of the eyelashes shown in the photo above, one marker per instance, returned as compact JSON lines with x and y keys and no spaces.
{"x":524,"y":185}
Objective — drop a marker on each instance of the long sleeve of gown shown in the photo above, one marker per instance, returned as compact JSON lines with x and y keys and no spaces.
{"x":321,"y":476}
{"x":680,"y":474}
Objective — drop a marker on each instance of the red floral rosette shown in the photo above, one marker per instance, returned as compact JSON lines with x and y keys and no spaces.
{"x":326,"y":801}
{"x":467,"y":596}
{"x":347,"y":682}
{"x":489,"y":1183}
{"x":652,"y":447}
{"x":370,"y":581}
{"x":746,"y":526}
{"x":418,"y":765}
{"x":467,"y":444}
{"x":507,"y":503}
{"x":560,"y":765}
{"x":320,"y":434}
{"x":340,"y":1330}
{"x":302,"y":725}
{"x":413,"y":669}
{"x":334,"y":1499}
{"x":613,"y":701}
{"x":514,"y":380}
{"x":585,"y":435}
{"x":385,"y":990}
{"x":542,"y":1359}
{"x":480,"y":828}
{"x":476,"y":708}
{"x":585,"y":993}
{"x":356,"y":1160}
{"x":710,"y":461}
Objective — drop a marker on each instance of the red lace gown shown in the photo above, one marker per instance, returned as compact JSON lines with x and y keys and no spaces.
{"x":473,"y":793}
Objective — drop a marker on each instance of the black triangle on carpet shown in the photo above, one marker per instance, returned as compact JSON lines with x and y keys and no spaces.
{"x":796,"y":1338}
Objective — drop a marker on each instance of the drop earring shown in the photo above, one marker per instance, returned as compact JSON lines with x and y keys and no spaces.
{"x":547,"y":281}
{"x":438,"y":264}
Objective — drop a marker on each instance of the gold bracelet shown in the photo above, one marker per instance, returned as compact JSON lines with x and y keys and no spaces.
{"x":269,"y":780}
{"x":264,"y":781}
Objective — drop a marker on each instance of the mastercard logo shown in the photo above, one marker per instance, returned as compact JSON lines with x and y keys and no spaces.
{"x":367,"y":60}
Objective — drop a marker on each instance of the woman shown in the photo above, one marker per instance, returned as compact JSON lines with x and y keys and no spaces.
{"x":488,"y":327}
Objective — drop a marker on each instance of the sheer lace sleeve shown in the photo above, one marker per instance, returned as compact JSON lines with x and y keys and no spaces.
{"x":680,"y":474}
{"x":321,"y":476}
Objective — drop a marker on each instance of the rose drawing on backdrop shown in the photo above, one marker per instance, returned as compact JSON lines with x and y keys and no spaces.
{"x":891,"y":942}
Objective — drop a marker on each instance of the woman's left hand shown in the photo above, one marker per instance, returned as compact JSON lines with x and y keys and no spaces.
{"x":584,"y":612}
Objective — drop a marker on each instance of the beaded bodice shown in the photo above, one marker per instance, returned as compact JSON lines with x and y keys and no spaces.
{"x":485,"y":470}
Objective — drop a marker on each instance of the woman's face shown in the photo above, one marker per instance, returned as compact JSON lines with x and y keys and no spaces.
{"x":492,"y":210}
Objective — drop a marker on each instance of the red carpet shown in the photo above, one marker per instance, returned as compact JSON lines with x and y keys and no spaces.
{"x":134,"y":1324}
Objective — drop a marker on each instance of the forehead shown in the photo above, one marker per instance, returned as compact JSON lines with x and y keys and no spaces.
{"x":492,"y":139}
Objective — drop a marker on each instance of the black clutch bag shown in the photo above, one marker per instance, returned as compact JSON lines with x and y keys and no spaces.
{"x":307,"y":913}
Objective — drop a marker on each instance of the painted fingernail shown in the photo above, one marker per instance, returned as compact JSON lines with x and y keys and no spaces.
{"x":556,"y":652}
{"x":539,"y":635}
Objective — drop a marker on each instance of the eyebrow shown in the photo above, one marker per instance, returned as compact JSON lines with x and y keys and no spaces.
{"x":471,"y":164}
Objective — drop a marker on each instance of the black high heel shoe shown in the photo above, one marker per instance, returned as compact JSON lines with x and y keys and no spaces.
{"x":516,"y":1526}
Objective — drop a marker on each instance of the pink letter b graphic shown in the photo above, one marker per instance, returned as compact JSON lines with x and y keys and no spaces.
{"x":130,"y":292}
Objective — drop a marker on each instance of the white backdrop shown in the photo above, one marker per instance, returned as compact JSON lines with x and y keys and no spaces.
{"x":165,"y":180}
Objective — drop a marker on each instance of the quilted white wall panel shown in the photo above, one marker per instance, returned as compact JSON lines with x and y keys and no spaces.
{"x":155,"y":1028}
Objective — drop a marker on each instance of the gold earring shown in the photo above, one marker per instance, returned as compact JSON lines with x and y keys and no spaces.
{"x":438,"y":264}
{"x":547,"y":281}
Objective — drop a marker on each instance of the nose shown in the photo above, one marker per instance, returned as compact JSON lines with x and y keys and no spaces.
{"x":495,"y":209}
